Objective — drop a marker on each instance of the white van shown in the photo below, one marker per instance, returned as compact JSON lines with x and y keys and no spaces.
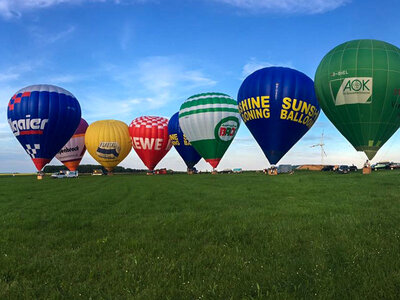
{"x":65,"y":174}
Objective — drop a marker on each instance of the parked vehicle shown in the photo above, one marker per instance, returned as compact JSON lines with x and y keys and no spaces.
{"x":393,"y":166}
{"x":328,"y":168}
{"x":285,"y":169}
{"x":97,"y":172}
{"x":65,"y":174}
{"x":160,"y":171}
{"x":353,"y":168}
{"x":380,"y":166}
{"x":343,"y":169}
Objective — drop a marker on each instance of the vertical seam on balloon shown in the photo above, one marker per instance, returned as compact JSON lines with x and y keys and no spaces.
{"x":101,"y":138}
{"x":363,"y":138}
{"x":387,"y":127}
{"x":218,"y":115}
{"x":118,"y":140}
{"x":349,"y":116}
{"x":345,"y":107}
{"x":372,"y":97}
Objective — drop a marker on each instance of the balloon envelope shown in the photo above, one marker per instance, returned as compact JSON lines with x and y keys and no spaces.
{"x":43,"y":118}
{"x":279,"y":106}
{"x":181,"y":144}
{"x":150,"y":139}
{"x":72,"y":152}
{"x":108,"y":142}
{"x":358,"y":87}
{"x":210,"y":122}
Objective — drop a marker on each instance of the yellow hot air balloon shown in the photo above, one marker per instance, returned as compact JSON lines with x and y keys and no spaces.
{"x":108,"y":142}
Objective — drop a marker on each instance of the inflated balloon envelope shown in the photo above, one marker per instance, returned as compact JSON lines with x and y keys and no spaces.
{"x":279,"y":106}
{"x":181,"y":143}
{"x":210,"y":121}
{"x":71,"y":154}
{"x":149,"y":135}
{"x":108,"y":142}
{"x":43,"y":118}
{"x":358,"y":86}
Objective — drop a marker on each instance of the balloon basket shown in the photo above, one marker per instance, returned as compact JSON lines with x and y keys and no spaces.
{"x":110,"y":174}
{"x":272,"y":171}
{"x":150,"y":173}
{"x":40,"y":175}
{"x":366,"y":170}
{"x":214,"y":172}
{"x":190,"y":172}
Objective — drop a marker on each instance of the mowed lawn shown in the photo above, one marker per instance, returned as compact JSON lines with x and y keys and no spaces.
{"x":227,"y":236}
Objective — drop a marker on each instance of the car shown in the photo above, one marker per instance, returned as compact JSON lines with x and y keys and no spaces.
{"x":380,"y":166}
{"x":97,"y":172}
{"x":285,"y":169}
{"x":161,"y":171}
{"x":353,"y":168}
{"x":343,"y":169}
{"x":328,"y":168}
{"x":237,"y":170}
{"x":393,"y":166}
{"x":65,"y":174}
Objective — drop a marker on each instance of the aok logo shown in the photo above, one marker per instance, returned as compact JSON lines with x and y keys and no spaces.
{"x":226,"y":129}
{"x":357,"y":85}
{"x":355,"y":90}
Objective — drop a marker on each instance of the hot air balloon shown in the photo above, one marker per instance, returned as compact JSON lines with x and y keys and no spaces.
{"x":108,"y":142}
{"x":279,"y":106}
{"x":358,"y":87}
{"x":150,"y":139}
{"x":181,"y":144}
{"x":72,"y":152}
{"x":43,"y":118}
{"x":210,"y":122}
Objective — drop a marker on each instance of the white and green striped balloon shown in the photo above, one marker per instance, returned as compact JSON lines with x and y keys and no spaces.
{"x":210,"y":122}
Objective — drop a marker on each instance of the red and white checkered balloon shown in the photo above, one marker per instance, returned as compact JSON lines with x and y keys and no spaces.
{"x":150,"y":139}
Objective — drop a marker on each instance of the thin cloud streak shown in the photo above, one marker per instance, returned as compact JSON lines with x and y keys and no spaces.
{"x":44,"y":37}
{"x":149,"y":84}
{"x":253,"y":65}
{"x":287,"y":6}
{"x":14,"y":8}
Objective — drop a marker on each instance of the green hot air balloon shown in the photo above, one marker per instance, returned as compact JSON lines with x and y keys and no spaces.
{"x":358,"y":87}
{"x":210,"y":122}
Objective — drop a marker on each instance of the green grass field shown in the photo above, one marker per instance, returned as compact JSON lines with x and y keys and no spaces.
{"x":244,"y":236}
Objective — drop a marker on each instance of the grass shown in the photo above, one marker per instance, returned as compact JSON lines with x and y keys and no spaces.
{"x":239,"y":236}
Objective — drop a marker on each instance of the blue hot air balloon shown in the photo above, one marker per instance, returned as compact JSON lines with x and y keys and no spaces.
{"x":43,"y":118}
{"x":279,"y":106}
{"x":181,"y":144}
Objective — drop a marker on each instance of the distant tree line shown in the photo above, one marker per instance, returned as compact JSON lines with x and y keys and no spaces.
{"x":91,"y":168}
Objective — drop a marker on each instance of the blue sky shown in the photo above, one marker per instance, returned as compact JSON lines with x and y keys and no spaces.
{"x":123,"y":59}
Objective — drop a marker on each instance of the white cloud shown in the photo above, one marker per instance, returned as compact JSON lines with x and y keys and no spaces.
{"x":14,"y":72}
{"x":126,"y":36}
{"x":14,"y":8}
{"x":45,"y":37}
{"x":287,"y":6}
{"x":149,"y":84}
{"x":159,"y":73}
{"x":254,"y":65}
